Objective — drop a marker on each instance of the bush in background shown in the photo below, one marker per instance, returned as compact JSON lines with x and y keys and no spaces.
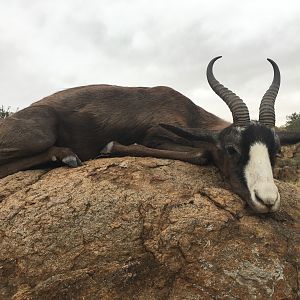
{"x":293,"y":121}
{"x":4,"y":113}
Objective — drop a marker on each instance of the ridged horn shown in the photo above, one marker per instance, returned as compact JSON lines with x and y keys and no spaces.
{"x":236,"y":105}
{"x":266,"y":108}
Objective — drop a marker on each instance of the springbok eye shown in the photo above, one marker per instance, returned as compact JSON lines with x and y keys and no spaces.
{"x":231,"y":150}
{"x":278,"y":152}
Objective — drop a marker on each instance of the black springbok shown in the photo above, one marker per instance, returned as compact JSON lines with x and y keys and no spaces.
{"x":86,"y":122}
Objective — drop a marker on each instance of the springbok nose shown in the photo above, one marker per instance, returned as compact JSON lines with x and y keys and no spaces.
{"x":267,"y":194}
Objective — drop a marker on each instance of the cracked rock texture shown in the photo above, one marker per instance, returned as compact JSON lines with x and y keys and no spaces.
{"x":288,"y":164}
{"x":143,"y":228}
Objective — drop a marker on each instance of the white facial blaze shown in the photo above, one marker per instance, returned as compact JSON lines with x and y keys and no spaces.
{"x":259,"y":178}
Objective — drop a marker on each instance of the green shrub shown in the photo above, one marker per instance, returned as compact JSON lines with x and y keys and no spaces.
{"x":293,"y":121}
{"x":4,"y":113}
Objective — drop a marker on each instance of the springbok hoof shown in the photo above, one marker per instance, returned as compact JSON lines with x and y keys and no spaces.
{"x":72,"y":161}
{"x":106,"y":151}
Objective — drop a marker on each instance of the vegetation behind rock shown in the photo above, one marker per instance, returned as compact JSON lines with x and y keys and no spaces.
{"x":4,"y":112}
{"x":293,"y":122}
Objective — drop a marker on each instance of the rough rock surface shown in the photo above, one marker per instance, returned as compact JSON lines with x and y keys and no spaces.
{"x":143,"y":228}
{"x":288,"y":164}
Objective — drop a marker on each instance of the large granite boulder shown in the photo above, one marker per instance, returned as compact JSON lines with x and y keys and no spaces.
{"x":143,"y":228}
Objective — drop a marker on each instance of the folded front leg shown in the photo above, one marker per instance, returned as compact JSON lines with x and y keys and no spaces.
{"x":195,"y":156}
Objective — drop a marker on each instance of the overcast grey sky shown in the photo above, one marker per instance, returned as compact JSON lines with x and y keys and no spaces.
{"x":50,"y":45}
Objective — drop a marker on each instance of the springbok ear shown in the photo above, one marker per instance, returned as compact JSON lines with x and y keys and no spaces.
{"x":195,"y":134}
{"x":288,"y":137}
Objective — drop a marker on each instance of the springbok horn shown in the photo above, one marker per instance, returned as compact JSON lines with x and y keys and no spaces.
{"x":236,"y":105}
{"x":266,"y":108}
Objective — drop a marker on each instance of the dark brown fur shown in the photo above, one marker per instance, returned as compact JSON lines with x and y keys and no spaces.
{"x":86,"y":118}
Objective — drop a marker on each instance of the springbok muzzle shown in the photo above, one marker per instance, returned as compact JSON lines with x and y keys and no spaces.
{"x":259,"y":178}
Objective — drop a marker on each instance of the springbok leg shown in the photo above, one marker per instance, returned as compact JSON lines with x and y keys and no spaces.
{"x":115,"y":149}
{"x":65,"y":155}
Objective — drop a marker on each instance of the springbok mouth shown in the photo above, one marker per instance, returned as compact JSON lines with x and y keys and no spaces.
{"x":260,"y":205}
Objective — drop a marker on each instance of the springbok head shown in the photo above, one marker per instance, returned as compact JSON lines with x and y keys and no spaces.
{"x":245,"y":151}
{"x":249,"y":147}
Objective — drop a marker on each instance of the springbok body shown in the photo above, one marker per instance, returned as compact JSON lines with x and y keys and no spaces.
{"x":83,"y":123}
